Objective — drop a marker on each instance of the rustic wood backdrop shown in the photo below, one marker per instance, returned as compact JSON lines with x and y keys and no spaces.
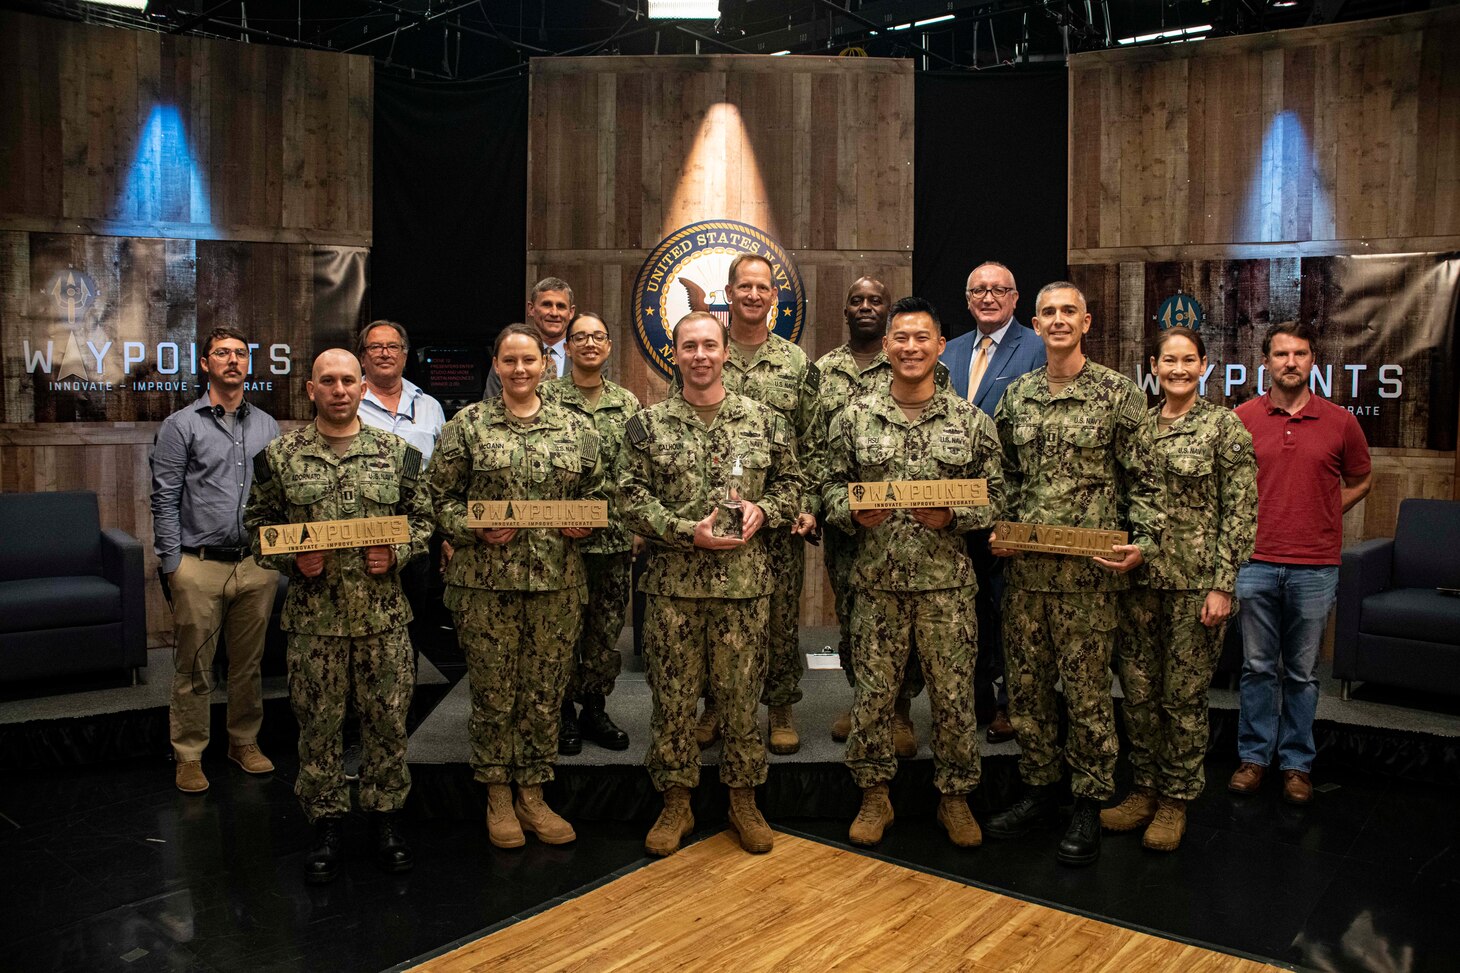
{"x":198,"y":183}
{"x":1326,"y":141}
{"x":816,"y":151}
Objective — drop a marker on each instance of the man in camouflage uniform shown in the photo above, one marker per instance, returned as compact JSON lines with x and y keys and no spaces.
{"x":774,"y":372}
{"x":607,"y":552}
{"x":709,"y":590}
{"x":517,"y":594}
{"x":345,"y":612}
{"x":847,"y":372}
{"x":912,"y":572}
{"x":1076,"y":453}
{"x":1178,"y":606}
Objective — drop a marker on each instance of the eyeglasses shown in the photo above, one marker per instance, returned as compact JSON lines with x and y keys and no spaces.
{"x":589,"y":337}
{"x":223,"y":354}
{"x":377,"y":347}
{"x":998,"y":292}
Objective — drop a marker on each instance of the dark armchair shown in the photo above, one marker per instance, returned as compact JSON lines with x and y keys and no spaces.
{"x":71,"y":594}
{"x":1394,"y":627}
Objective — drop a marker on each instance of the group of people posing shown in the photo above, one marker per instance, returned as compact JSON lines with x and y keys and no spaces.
{"x":748,"y":458}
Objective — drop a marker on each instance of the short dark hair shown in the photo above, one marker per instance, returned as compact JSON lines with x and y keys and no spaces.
{"x":517,"y":327}
{"x":551,"y":284}
{"x":585,"y":314}
{"x":1178,"y":332}
{"x":696,"y":315}
{"x":218,"y":334}
{"x":733,"y":273}
{"x":915,"y":305}
{"x":1059,"y":285}
{"x":1304,"y":331}
{"x":400,"y":329}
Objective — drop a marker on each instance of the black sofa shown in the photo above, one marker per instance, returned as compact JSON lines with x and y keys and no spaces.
{"x":71,"y":594}
{"x":1395,"y":627}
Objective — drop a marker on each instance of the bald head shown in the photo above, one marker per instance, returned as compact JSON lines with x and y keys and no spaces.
{"x":335,"y":389}
{"x":334,"y":358}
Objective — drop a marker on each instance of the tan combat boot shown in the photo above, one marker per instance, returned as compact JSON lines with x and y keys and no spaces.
{"x":534,"y":815}
{"x":1168,"y":826}
{"x":842,"y":728}
{"x":502,"y":826}
{"x":1136,"y":811}
{"x":756,"y":836}
{"x":189,"y":777}
{"x":707,"y":730}
{"x":874,"y":818}
{"x":784,"y":738}
{"x":904,"y":737}
{"x":957,"y":819}
{"x":675,"y":823}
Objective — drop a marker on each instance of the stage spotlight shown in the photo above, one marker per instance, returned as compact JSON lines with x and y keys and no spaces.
{"x":684,"y":9}
{"x":138,"y":5}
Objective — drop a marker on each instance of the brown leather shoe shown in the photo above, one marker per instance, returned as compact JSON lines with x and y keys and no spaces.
{"x":1247,"y":779}
{"x":1297,"y":787}
{"x":250,"y":758}
{"x":842,"y":728}
{"x":1000,"y":730}
{"x":190,"y":778}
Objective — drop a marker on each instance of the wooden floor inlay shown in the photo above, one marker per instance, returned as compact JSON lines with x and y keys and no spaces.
{"x":810,"y":907}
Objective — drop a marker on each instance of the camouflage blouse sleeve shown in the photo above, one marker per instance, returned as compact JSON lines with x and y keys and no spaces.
{"x":782,"y":500}
{"x":415,"y":496}
{"x":449,"y":480}
{"x":810,"y":442}
{"x":1009,"y":453}
{"x":1237,"y":513}
{"x":641,"y":510}
{"x":265,"y":507}
{"x":1140,"y":475}
{"x":836,"y":474}
{"x":986,"y":465}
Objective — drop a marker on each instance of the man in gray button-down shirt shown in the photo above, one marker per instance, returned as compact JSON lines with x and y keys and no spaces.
{"x":202,"y":470}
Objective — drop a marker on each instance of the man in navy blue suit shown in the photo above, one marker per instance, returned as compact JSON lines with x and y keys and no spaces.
{"x":981,"y":364}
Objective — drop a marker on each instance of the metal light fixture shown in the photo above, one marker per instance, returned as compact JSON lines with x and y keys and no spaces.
{"x":138,"y":5}
{"x":684,"y":9}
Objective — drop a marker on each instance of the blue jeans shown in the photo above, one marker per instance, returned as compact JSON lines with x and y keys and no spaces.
{"x":1284,"y":610}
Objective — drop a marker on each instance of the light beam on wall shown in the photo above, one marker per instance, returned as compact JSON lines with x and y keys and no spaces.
{"x":1287,"y":155}
{"x":165,"y":182}
{"x":720,"y":176}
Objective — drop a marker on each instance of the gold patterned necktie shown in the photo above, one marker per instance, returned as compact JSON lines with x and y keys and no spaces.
{"x":980,"y":365}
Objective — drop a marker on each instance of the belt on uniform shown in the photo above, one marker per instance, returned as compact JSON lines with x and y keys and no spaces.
{"x":215,"y":553}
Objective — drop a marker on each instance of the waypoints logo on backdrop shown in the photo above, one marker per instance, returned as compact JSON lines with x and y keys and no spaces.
{"x":687,"y":271}
{"x":1180,"y":311}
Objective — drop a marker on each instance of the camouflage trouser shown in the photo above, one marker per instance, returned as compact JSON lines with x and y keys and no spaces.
{"x":839,"y":552}
{"x":783,"y":666}
{"x":1067,"y":636}
{"x":597,"y":662}
{"x":1166,"y":660}
{"x":945,"y":627}
{"x":519,"y":647}
{"x":713,"y":644}
{"x":378,"y":671}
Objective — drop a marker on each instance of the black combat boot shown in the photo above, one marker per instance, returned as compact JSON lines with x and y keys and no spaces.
{"x":391,"y":851}
{"x":323,"y":861}
{"x":1081,"y":843}
{"x":570,"y":738}
{"x":597,"y":727}
{"x":1040,"y":803}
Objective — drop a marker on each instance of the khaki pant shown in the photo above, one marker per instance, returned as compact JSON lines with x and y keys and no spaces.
{"x":209,"y":598}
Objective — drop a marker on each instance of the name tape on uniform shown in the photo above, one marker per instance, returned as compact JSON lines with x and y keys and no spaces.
{"x":330,"y":535}
{"x":1056,"y":539}
{"x":536,"y":513}
{"x":906,"y":494}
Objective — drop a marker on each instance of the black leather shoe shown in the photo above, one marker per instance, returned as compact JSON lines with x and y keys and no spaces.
{"x":391,"y":851}
{"x":598,"y":728}
{"x":570,"y":737}
{"x":1039,"y":804}
{"x":323,"y":862}
{"x":1081,"y":843}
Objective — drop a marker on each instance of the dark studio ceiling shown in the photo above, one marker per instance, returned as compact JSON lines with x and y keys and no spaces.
{"x":449,"y":40}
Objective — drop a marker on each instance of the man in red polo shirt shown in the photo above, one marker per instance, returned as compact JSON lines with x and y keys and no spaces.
{"x":1312,"y":465}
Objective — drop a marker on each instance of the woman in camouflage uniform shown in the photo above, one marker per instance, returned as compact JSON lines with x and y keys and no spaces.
{"x":1178,"y":609}
{"x":517,"y":593}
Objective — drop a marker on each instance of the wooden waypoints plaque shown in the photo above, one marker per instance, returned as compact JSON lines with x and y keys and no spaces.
{"x":536,"y":513}
{"x":906,"y":494}
{"x":1056,"y":539}
{"x":330,"y":535}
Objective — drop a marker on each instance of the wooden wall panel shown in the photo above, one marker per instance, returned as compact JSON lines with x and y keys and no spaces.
{"x":1340,"y":137}
{"x":132,"y":133}
{"x":816,"y":151}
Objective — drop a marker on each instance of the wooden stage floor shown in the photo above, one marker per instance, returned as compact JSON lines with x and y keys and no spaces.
{"x":811,"y":907}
